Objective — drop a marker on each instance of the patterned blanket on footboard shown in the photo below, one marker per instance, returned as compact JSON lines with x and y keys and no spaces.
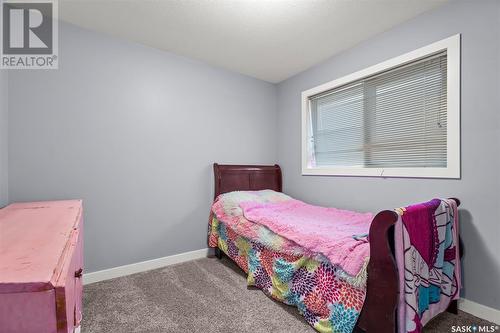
{"x":427,"y":254}
{"x":324,"y":295}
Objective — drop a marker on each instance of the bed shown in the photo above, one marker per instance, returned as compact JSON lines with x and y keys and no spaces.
{"x":377,"y":311}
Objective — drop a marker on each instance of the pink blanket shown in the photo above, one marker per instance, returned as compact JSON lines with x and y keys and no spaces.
{"x":328,"y":231}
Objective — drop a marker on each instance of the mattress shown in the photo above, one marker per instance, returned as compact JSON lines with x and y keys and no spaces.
{"x":329,"y":300}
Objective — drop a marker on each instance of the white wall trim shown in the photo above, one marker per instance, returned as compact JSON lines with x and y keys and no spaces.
{"x":479,"y":310}
{"x":142,"y":266}
{"x":452,"y":46}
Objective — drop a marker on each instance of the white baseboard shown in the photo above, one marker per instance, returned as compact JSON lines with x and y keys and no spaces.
{"x":142,"y":266}
{"x":479,"y":310}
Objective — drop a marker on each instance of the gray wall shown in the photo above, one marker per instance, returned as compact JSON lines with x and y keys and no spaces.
{"x":133,"y":131}
{"x":4,"y":185}
{"x":479,"y":188}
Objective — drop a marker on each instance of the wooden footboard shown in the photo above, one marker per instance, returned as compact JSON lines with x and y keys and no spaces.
{"x":379,"y":310}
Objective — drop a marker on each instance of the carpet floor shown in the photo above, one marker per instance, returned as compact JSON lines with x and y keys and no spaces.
{"x":205,"y":295}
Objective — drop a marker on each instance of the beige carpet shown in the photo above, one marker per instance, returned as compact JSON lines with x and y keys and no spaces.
{"x":205,"y":295}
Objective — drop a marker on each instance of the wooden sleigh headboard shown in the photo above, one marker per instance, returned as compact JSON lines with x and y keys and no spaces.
{"x":246,"y":178}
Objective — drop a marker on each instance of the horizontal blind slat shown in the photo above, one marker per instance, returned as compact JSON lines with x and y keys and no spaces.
{"x":392,"y":119}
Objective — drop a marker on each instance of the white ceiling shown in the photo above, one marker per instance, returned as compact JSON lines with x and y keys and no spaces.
{"x":268,"y":39}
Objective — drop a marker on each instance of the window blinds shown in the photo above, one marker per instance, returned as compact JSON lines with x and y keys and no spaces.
{"x":396,"y":118}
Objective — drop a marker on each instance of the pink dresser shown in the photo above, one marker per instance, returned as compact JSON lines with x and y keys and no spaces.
{"x":41,"y":262}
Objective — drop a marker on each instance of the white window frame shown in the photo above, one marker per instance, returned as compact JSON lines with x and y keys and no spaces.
{"x":452,"y":47}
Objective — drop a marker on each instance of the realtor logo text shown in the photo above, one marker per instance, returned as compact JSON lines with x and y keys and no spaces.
{"x":29,"y":34}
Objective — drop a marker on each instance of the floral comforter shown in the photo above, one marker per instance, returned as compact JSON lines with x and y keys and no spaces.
{"x":328,"y":297}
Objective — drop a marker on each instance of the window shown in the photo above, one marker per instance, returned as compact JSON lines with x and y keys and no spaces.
{"x":399,"y":118}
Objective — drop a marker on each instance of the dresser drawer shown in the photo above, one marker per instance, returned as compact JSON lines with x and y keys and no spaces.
{"x":41,"y":264}
{"x":28,"y":312}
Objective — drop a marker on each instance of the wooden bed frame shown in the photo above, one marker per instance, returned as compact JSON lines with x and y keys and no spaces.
{"x":379,"y":310}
